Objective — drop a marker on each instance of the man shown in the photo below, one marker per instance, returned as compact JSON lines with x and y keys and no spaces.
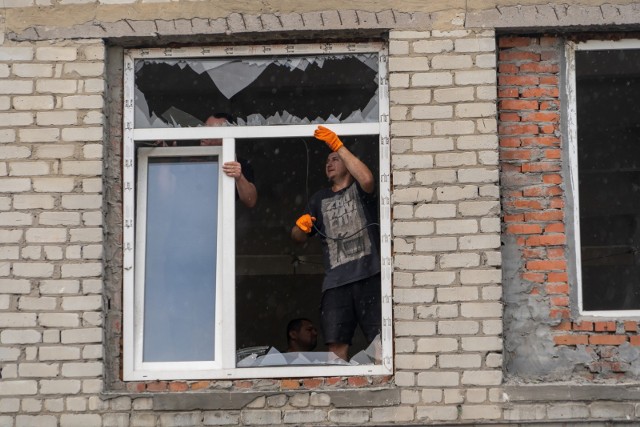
{"x":345,"y":218}
{"x":239,"y":170}
{"x":301,"y":335}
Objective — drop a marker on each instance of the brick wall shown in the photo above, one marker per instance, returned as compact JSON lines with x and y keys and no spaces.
{"x":534,"y":179}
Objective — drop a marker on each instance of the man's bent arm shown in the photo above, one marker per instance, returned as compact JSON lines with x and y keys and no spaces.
{"x":246,"y":191}
{"x":357,"y":169}
{"x":298,"y":235}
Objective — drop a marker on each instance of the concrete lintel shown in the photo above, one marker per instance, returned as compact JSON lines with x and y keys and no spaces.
{"x":571,"y":393}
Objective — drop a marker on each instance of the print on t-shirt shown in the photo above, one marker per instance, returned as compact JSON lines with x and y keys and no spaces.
{"x":344,"y":216}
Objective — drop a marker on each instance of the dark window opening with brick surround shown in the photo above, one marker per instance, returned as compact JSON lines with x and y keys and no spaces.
{"x":608,"y":154}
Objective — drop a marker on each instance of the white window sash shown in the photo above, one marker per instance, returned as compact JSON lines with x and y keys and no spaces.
{"x":572,"y":120}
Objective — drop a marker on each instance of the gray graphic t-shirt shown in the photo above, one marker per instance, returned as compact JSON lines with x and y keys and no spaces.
{"x":350,"y":242}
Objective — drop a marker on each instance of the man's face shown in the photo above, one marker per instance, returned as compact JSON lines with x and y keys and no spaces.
{"x":335,"y":167}
{"x":307,"y":335}
{"x":212,"y":121}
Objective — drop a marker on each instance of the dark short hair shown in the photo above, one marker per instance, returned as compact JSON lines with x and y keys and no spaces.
{"x":295,"y":325}
{"x":221,"y":115}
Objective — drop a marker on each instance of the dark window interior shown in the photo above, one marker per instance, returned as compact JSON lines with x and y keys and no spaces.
{"x":608,"y":89}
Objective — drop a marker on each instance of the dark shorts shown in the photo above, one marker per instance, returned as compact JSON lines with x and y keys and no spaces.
{"x":344,"y":307}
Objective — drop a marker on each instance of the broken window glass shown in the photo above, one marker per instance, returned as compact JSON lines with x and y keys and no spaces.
{"x":257,"y":91}
{"x":608,"y":89}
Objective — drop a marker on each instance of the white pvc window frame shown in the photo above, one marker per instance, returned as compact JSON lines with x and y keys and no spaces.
{"x":225,"y":366}
{"x":570,"y":53}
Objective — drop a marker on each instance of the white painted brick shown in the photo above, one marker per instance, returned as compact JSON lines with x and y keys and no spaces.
{"x":98,"y":86}
{"x":431,"y":395}
{"x":59,"y":320}
{"x":31,"y":253}
{"x":94,"y":52}
{"x":476,"y":412}
{"x":481,"y":309}
{"x":92,"y":218}
{"x":444,"y":160}
{"x":5,"y":303}
{"x":81,"y":201}
{"x":41,"y":235}
{"x":408,"y":64}
{"x":7,"y":135}
{"x":9,"y":405}
{"x":433,"y":46}
{"x":92,"y":151}
{"x":86,"y":269}
{"x":493,"y":258}
{"x":82,"y":303}
{"x":456,"y":226}
{"x":488,"y":158}
{"x":473,"y":277}
{"x":475,"y":77}
{"x":31,"y":405}
{"x":492,"y":293}
{"x":422,"y":228}
{"x":92,"y":352}
{"x":77,"y":404}
{"x":490,"y":225}
{"x":15,"y":286}
{"x":435,"y":211}
{"x":18,"y":87}
{"x":59,"y":353}
{"x":450,"y":34}
{"x":399,"y":112}
{"x":437,"y":311}
{"x":86,"y":235}
{"x":412,"y":195}
{"x":435,"y":278}
{"x":59,"y":218}
{"x":17,"y":320}
{"x":16,"y":53}
{"x":404,"y":345}
{"x":83,"y":69}
{"x":437,"y":345}
{"x":411,"y":96}
{"x":54,"y":404}
{"x":478,"y":109}
{"x":56,"y":118}
{"x":82,"y":134}
{"x":39,"y":135}
{"x":492,"y":327}
{"x":414,"y":262}
{"x":54,"y":185}
{"x":477,"y":175}
{"x":74,"y":252}
{"x":20,"y":336}
{"x":92,"y":252}
{"x":410,"y":128}
{"x":438,"y":379}
{"x":489,"y":191}
{"x":403,"y":34}
{"x":5,"y":202}
{"x":436,"y":244}
{"x":61,"y":387}
{"x":416,"y":329}
{"x":479,"y":242}
{"x":57,"y":86}
{"x":34,"y":269}
{"x":58,"y":287}
{"x":400,"y":145}
{"x":28,"y":168}
{"x":33,"y":102}
{"x":433,"y":144}
{"x":487,"y":93}
{"x":9,"y":354}
{"x":476,"y":395}
{"x":451,"y":62}
{"x":32,"y":70}
{"x":5,"y":71}
{"x":9,"y":252}
{"x":459,"y":361}
{"x":454,"y":127}
{"x":403,"y":212}
{"x":413,"y":161}
{"x":457,"y":193}
{"x":86,"y":335}
{"x":16,"y":119}
{"x":436,"y":177}
{"x":475,"y":45}
{"x":18,"y":388}
{"x":14,"y":152}
{"x":462,"y":260}
{"x":458,"y":327}
{"x":431,"y":79}
{"x":453,"y":396}
{"x":86,"y":167}
{"x":36,"y":303}
{"x":412,"y":296}
{"x":14,"y":185}
{"x":453,"y":94}
{"x":400,"y":312}
{"x":90,"y":369}
{"x":432,"y":112}
{"x":55,"y":53}
{"x":437,"y":413}
{"x":399,"y":80}
{"x":82,"y":102}
{"x":402,"y":279}
{"x":457,"y":294}
{"x":36,"y":370}
{"x":479,"y":208}
{"x":490,"y":343}
{"x":92,"y":185}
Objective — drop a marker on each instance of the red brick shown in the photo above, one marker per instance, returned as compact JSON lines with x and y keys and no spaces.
{"x":510,"y":167}
{"x":549,"y":80}
{"x":607,"y":339}
{"x":562,"y":301}
{"x":631,"y":326}
{"x":553,"y":178}
{"x":534,"y":253}
{"x":538,"y":67}
{"x":515,"y":41}
{"x":178,"y":386}
{"x":515,"y":55}
{"x":509,"y":117}
{"x":510,"y":142}
{"x":520,"y":80}
{"x":549,"y":105}
{"x":555,"y":253}
{"x":358,"y":381}
{"x":571,"y":339}
{"x":605,"y":326}
{"x":559,"y":313}
{"x":549,"y":41}
{"x":557,"y":288}
{"x":515,"y":154}
{"x":540,"y":92}
{"x":243,"y":384}
{"x":542,"y":141}
{"x":546,"y":240}
{"x":583,"y":326}
{"x":540,"y":167}
{"x":634,"y":340}
{"x":556,"y":203}
{"x":528,"y":204}
{"x":518,"y":129}
{"x":562,"y":326}
{"x":200,"y":385}
{"x":548,"y":129}
{"x":312,"y":383}
{"x":544,"y":116}
{"x":157,"y":386}
{"x":508,"y":68}
{"x":518,"y":104}
{"x":558,"y":277}
{"x":524,"y":229}
{"x":542,"y":191}
{"x":533,"y":277}
{"x":331,"y":381}
{"x":550,"y":215}
{"x":508,"y":92}
{"x":513,"y":218}
{"x":552,"y":154}
{"x":289,"y":384}
{"x":546,"y":265}
{"x":554,"y":228}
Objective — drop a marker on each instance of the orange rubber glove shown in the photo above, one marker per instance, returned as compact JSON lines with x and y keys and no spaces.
{"x":329,"y":137}
{"x":305,"y":223}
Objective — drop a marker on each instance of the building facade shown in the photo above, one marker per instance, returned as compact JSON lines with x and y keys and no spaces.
{"x":503,"y":152}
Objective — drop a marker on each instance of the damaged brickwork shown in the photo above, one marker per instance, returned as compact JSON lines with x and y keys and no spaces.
{"x":545,"y":338}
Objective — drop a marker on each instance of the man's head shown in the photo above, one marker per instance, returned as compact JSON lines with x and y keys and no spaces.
{"x":335,"y":168}
{"x":301,"y":335}
{"x":218,"y":119}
